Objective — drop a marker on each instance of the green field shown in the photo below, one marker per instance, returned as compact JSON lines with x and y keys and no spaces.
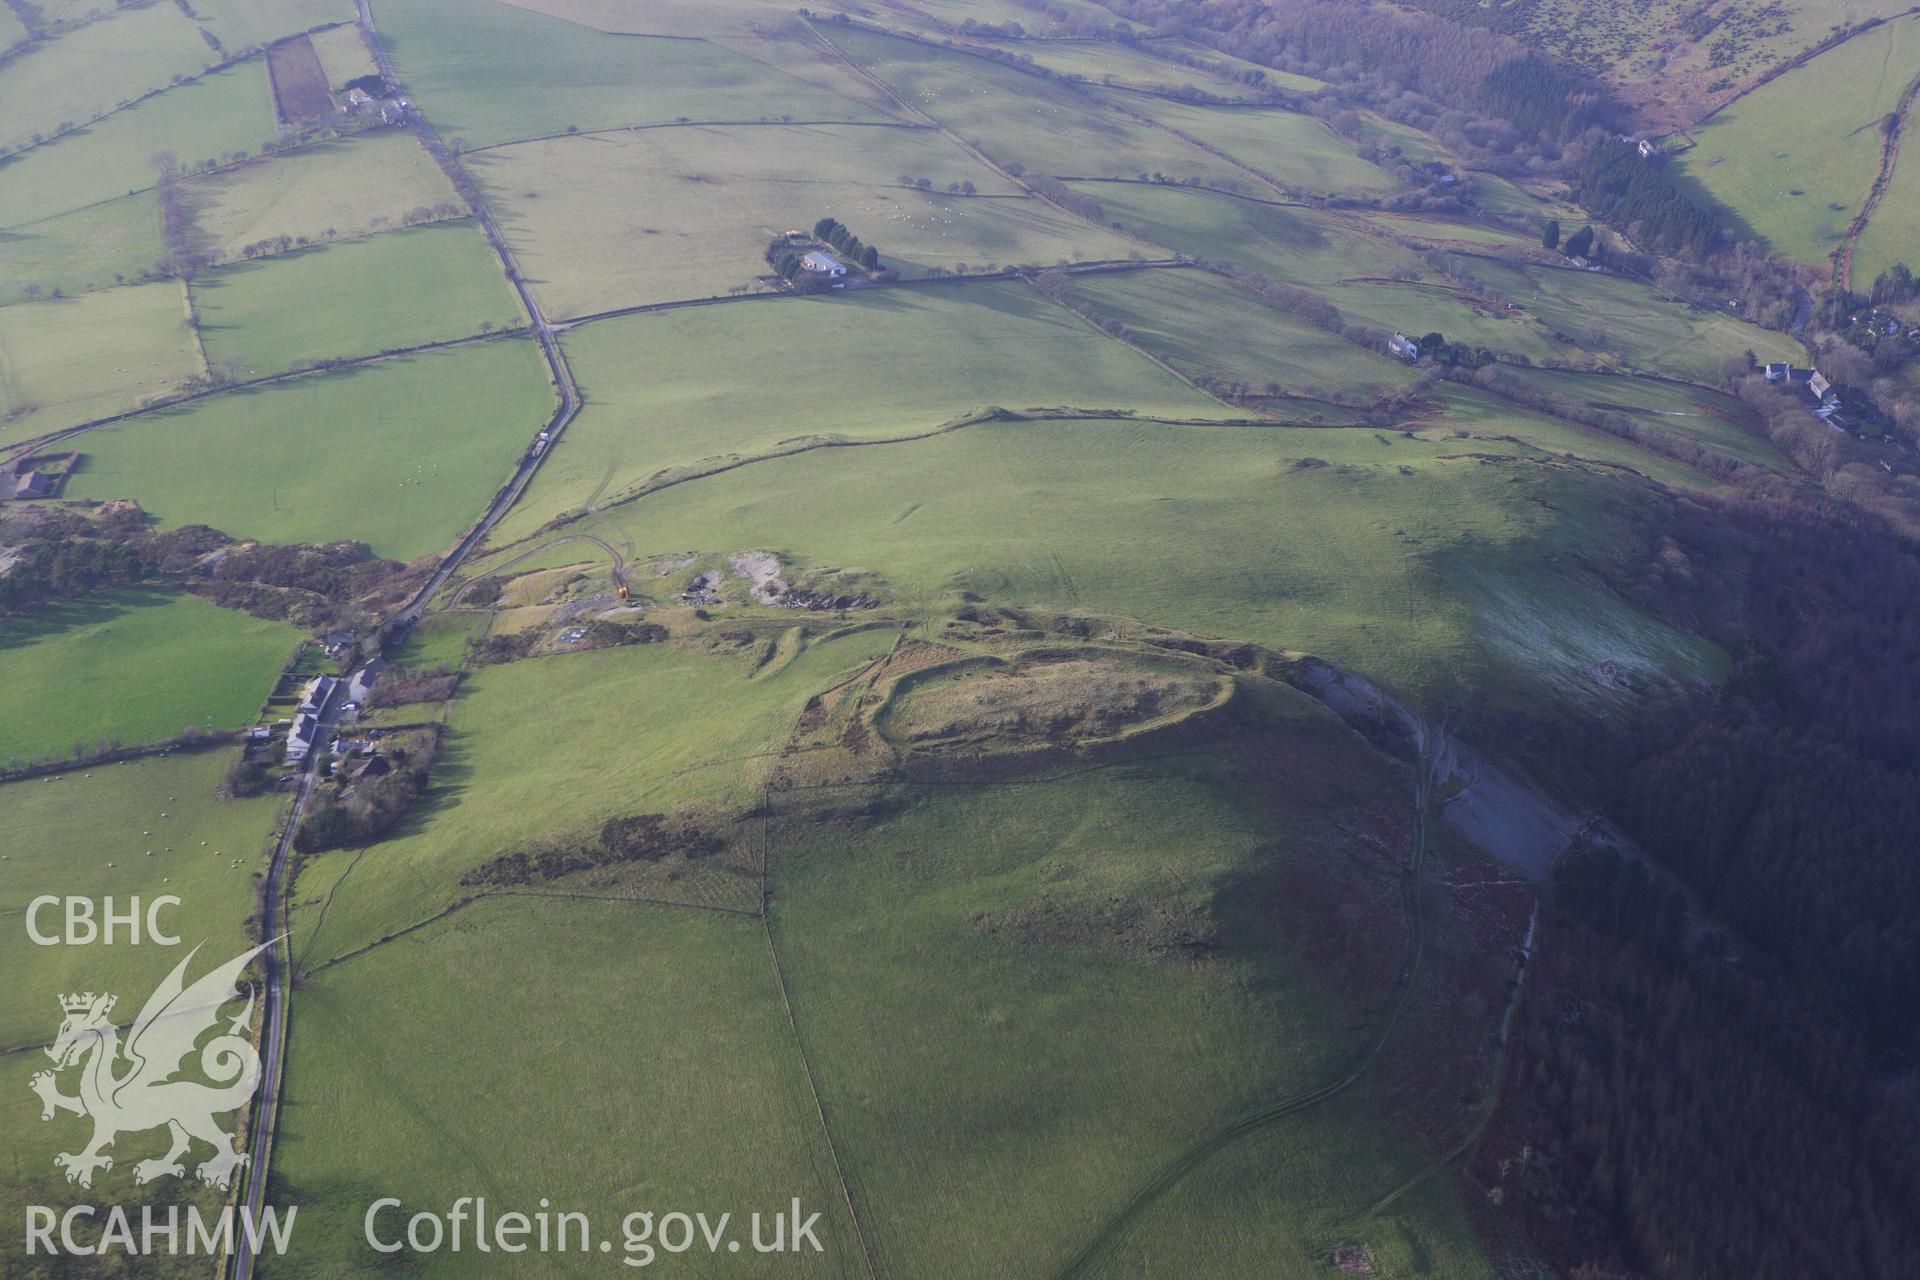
{"x":137,"y":665}
{"x":61,"y":833}
{"x":1046,"y":125}
{"x":332,"y":189}
{"x":354,"y":297}
{"x":1447,"y":231}
{"x":1295,"y":151}
{"x":401,"y":454}
{"x":240,"y":24}
{"x":1295,"y":244}
{"x":85,"y":73}
{"x":1419,"y":309}
{"x":659,"y":396}
{"x":442,"y":1051}
{"x":1483,"y":423}
{"x":76,"y":359}
{"x":1605,"y":313}
{"x":765,"y":31}
{"x":1794,"y":159}
{"x":1405,"y":558}
{"x":496,"y":74}
{"x":343,"y":55}
{"x":532,"y":750}
{"x":1209,"y":330}
{"x":204,"y":119}
{"x":1713,"y":418}
{"x":1104,"y":62}
{"x":1036,"y":22}
{"x":91,"y":248}
{"x":1892,"y":235}
{"x":715,"y":196}
{"x":438,"y":640}
{"x":87,"y":833}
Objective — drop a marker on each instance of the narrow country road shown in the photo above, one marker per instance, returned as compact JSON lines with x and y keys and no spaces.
{"x":549,"y":349}
{"x":273,"y":1021}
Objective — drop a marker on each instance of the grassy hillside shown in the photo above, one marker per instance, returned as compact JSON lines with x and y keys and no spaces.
{"x":531,"y":752}
{"x":88,"y":834}
{"x":1405,"y":557}
{"x":499,"y":74}
{"x":704,"y":1101}
{"x":717,"y":195}
{"x":1218,"y":335}
{"x":1793,"y":160}
{"x":849,"y":368}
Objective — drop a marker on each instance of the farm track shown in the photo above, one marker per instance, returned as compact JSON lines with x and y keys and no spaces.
{"x":619,"y":563}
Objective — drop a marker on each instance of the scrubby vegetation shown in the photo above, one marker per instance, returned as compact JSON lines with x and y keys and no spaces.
{"x":644,"y":837}
{"x":363,"y":805}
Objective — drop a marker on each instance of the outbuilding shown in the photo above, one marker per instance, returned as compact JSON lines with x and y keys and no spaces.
{"x":823,"y":263}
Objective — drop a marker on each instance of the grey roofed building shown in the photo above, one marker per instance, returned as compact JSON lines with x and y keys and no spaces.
{"x":1404,"y":347}
{"x":300,"y":738}
{"x":35,"y":484}
{"x":825,"y":263}
{"x":315,"y":695}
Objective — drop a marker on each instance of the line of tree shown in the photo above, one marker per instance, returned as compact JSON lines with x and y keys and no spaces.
{"x":846,"y":243}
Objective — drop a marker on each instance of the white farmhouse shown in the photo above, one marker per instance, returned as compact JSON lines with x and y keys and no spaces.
{"x":818,"y":260}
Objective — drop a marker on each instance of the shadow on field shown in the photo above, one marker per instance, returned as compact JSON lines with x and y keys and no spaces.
{"x":68,"y":615}
{"x":451,"y":773}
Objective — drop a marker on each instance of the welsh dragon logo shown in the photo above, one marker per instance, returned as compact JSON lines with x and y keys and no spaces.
{"x":130,"y":1087}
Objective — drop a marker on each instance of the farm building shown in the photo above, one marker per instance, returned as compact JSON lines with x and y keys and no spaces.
{"x":1778,"y":371}
{"x":35,"y":484}
{"x":824,"y":263}
{"x":1404,"y":347}
{"x":1818,"y":386}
